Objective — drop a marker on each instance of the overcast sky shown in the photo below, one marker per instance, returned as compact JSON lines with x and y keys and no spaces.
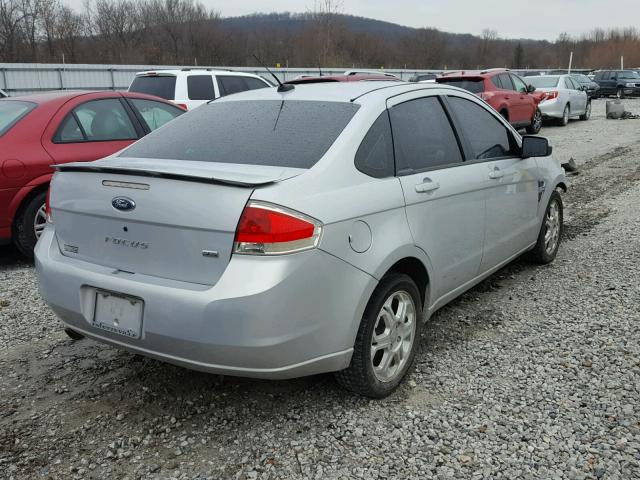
{"x":539,"y":19}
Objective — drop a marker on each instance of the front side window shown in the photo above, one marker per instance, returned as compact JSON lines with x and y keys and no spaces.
{"x":254,"y":83}
{"x":519,"y":85}
{"x":155,"y":114}
{"x":375,"y":154}
{"x":230,"y":84}
{"x":422,"y":136}
{"x":487,"y":136}
{"x":288,"y":133}
{"x":11,"y":112}
{"x":97,"y":121}
{"x":200,"y":87}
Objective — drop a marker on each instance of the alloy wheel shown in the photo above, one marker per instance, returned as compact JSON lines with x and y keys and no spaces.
{"x":393,"y":336}
{"x":537,"y":120}
{"x":587,"y":113}
{"x":552,"y":228}
{"x":40,"y":221}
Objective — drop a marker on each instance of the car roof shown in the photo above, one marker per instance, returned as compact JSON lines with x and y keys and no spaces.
{"x":341,"y":78}
{"x":357,"y":92}
{"x":62,"y":96}
{"x":474,"y":73}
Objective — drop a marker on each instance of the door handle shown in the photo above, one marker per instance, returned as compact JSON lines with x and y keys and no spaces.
{"x":427,"y":185}
{"x":496,"y":173}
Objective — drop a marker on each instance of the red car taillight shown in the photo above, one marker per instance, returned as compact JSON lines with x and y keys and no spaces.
{"x":550,"y":95}
{"x":47,"y":207}
{"x":266,"y":229}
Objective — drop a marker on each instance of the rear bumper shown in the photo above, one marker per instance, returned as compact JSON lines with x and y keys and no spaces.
{"x":552,"y":108}
{"x":275,"y":318}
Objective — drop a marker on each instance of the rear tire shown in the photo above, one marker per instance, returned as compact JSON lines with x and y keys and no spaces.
{"x":587,"y":112}
{"x":387,"y":339}
{"x":566,"y":114}
{"x":551,"y":230}
{"x":536,"y":123}
{"x":73,"y":335}
{"x":24,"y":226}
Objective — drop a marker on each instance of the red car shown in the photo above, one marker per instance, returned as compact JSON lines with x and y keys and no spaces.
{"x":505,"y":91}
{"x":60,"y":127}
{"x":341,"y":78}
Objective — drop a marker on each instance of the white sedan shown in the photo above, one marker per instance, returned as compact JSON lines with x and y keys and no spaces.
{"x":563,"y":98}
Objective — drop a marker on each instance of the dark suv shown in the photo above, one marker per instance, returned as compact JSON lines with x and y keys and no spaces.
{"x":621,"y":83}
{"x":505,"y":91}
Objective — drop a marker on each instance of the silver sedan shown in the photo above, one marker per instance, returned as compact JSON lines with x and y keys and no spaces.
{"x":563,"y":99}
{"x":277,"y":234}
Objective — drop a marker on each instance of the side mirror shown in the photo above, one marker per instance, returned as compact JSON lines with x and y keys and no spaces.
{"x":531,"y":89}
{"x":533,"y":146}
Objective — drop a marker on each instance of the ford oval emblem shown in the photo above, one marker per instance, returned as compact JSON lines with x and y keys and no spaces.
{"x":123,"y":203}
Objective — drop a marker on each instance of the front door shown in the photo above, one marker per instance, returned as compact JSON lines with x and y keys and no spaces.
{"x":444,"y":198}
{"x":510,"y":182}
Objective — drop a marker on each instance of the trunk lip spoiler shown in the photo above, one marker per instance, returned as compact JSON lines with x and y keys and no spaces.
{"x":75,"y":167}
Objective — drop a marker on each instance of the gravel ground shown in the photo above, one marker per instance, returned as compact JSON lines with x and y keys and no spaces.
{"x":535,"y":373}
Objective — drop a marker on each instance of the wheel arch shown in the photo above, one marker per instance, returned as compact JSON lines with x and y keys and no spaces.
{"x":26,"y":193}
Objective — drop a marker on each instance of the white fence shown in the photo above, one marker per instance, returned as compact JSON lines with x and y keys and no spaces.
{"x":24,"y":78}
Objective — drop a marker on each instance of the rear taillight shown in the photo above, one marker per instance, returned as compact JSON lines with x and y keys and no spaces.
{"x":266,"y":229}
{"x":550,"y":95}
{"x":182,"y":106}
{"x":47,"y":207}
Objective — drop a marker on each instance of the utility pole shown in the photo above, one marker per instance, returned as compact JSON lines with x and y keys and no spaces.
{"x":622,"y":62}
{"x":570,"y":62}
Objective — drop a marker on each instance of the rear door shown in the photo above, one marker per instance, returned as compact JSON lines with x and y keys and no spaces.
{"x":200,"y":89}
{"x":86,"y":130}
{"x":444,"y":198}
{"x":510,"y":182}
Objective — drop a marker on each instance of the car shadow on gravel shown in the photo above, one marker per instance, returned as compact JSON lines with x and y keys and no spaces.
{"x":9,"y":257}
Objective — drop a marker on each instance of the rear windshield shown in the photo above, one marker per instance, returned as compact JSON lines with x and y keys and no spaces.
{"x":544,"y":82}
{"x":264,"y":132}
{"x":11,"y":111}
{"x":473,"y":86}
{"x":162,"y":86}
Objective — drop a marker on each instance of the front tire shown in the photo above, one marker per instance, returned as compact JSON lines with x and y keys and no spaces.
{"x":620,"y":93}
{"x":551,"y":230}
{"x":536,"y":123}
{"x":386,"y":342}
{"x":29,"y":224}
{"x":587,"y":112}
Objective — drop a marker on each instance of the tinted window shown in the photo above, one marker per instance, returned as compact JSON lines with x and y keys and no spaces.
{"x":518,"y":84}
{"x":279,"y":133}
{"x":473,"y":86}
{"x":422,"y":136}
{"x":200,"y":87}
{"x":496,"y":81}
{"x":629,"y":74}
{"x":544,"y":82}
{"x":231,"y":84}
{"x":506,"y":82}
{"x":155,"y":114}
{"x":162,"y":86}
{"x":98,"y":120}
{"x":487,"y":136}
{"x":254,"y":83}
{"x":11,"y":112}
{"x":375,"y":155}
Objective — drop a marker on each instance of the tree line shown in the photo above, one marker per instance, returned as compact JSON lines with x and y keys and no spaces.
{"x":185,"y":32}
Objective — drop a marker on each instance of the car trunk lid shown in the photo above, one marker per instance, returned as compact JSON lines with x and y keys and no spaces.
{"x":153,"y":218}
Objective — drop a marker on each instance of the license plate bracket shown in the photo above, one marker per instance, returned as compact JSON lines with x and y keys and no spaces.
{"x":118,"y":313}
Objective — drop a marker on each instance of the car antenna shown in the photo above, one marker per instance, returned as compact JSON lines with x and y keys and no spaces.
{"x":320,"y":69}
{"x":281,"y":86}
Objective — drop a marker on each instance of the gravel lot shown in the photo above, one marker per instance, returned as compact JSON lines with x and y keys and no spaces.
{"x":535,"y":373}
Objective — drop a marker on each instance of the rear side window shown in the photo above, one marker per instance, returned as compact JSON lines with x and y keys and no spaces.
{"x":11,"y":112}
{"x":375,"y":154}
{"x":163,"y":86}
{"x":473,"y":86}
{"x":155,"y":114}
{"x":260,"y":132}
{"x":422,"y":136}
{"x":487,"y":136}
{"x":200,"y":87}
{"x":96,"y":121}
{"x":505,"y":81}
